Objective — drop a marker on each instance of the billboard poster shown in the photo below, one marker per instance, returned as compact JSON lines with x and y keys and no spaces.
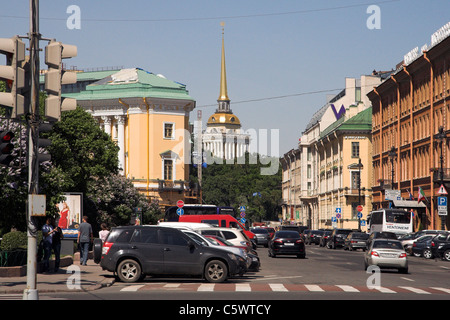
{"x":70,"y":214}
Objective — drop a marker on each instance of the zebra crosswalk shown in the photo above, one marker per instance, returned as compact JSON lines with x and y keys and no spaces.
{"x":279,"y":287}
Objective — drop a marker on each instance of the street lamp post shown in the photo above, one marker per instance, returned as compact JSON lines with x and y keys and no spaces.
{"x":441,"y":136}
{"x":392,"y":156}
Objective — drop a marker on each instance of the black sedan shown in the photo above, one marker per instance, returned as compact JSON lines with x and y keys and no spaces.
{"x":287,"y":243}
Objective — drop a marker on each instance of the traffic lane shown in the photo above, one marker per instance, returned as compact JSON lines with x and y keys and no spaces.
{"x":337,"y":267}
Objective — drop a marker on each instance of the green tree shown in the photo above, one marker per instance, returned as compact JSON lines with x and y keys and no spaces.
{"x":243,"y":184}
{"x":113,"y":199}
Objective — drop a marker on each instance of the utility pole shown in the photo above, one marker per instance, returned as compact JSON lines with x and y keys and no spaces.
{"x":31,"y":292}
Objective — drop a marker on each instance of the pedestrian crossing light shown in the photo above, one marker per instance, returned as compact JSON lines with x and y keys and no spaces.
{"x":14,"y":74}
{"x":6,"y":148}
{"x":56,"y":77}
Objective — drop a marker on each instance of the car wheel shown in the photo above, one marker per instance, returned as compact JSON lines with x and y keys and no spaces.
{"x":427,"y":254}
{"x":129,"y":271}
{"x":446,"y":255}
{"x":216,"y":271}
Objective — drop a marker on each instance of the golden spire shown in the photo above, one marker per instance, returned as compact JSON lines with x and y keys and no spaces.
{"x":223,"y":96}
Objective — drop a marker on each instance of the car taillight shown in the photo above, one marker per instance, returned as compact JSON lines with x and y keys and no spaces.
{"x":402,"y":255}
{"x":432,"y":244}
{"x":414,"y":244}
{"x":299,"y":241}
{"x":353,"y":241}
{"x":374,"y":253}
{"x":278,"y":241}
{"x":106,"y":247}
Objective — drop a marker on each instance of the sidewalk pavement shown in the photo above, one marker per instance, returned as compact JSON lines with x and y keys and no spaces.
{"x":73,"y":277}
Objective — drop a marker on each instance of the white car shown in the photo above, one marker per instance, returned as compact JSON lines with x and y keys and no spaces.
{"x":235,"y":236}
{"x":386,"y":253}
{"x":207,"y":242}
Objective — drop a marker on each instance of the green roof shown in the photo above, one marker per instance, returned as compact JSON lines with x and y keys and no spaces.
{"x":359,"y":122}
{"x":132,"y":83}
{"x":88,"y":75}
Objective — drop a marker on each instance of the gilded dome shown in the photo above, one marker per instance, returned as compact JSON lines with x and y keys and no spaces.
{"x":223,"y":119}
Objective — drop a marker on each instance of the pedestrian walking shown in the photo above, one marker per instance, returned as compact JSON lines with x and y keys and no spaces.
{"x":103,"y":234}
{"x":85,"y":237}
{"x":47,"y":237}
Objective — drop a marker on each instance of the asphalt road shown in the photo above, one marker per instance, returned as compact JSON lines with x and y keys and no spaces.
{"x":325,"y":274}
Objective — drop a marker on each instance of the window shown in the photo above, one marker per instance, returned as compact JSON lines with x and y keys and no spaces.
{"x":355,"y":179}
{"x":355,"y":149}
{"x":168,"y":169}
{"x":229,"y":235}
{"x":168,"y":130}
{"x":171,"y":237}
{"x":148,"y":235}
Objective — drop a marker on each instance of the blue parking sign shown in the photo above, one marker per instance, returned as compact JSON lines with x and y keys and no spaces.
{"x":180,"y":211}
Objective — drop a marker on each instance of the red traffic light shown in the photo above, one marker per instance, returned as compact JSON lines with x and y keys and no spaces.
{"x":6,"y":147}
{"x":6,"y":136}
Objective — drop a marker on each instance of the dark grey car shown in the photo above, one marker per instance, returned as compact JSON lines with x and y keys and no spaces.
{"x":262,"y":236}
{"x":135,"y":251}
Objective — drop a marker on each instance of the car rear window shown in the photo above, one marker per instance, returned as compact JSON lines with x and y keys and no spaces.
{"x":120,"y":235}
{"x":287,"y":234}
{"x":386,"y":244}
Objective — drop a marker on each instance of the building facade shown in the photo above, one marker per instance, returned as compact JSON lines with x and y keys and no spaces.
{"x":409,"y":153}
{"x":291,"y":184}
{"x":323,"y":165}
{"x":147,"y":115}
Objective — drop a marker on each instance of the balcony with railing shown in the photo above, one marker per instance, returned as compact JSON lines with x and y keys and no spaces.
{"x":440,"y":174}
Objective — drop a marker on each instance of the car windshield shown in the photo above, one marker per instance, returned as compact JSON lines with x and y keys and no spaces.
{"x":287,"y":234}
{"x":196,"y":238}
{"x":398,"y":217}
{"x":228,"y":243}
{"x":386,"y":244}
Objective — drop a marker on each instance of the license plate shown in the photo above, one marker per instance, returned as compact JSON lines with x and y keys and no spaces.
{"x":389,"y":255}
{"x":289,"y":244}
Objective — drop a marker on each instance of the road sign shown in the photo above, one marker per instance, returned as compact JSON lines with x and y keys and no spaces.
{"x":180,"y":211}
{"x":333,"y":219}
{"x":180,"y":203}
{"x":338,"y":215}
{"x":243,"y":214}
{"x":442,"y":190}
{"x":360,"y":215}
{"x":359,"y":208}
{"x":363,"y":223}
{"x":242,"y":208}
{"x":442,"y":206}
{"x":243,"y":220}
{"x":338,"y":210}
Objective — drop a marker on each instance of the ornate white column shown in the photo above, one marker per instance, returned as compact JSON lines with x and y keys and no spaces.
{"x":121,"y":140}
{"x":107,"y":124}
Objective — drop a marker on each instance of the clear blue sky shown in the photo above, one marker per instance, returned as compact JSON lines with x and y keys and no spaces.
{"x":273,"y":48}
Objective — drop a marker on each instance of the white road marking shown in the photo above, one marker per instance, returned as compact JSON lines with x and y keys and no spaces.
{"x":313,"y":287}
{"x":347,"y":288}
{"x":420,"y":291}
{"x":278,"y":287}
{"x":132,"y":288}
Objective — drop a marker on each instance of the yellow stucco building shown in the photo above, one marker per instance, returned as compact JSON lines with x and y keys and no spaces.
{"x":147,"y":115}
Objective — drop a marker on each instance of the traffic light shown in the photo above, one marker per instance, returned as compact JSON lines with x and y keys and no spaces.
{"x":56,"y":76}
{"x":42,"y":142}
{"x":14,"y":74}
{"x":6,"y":147}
